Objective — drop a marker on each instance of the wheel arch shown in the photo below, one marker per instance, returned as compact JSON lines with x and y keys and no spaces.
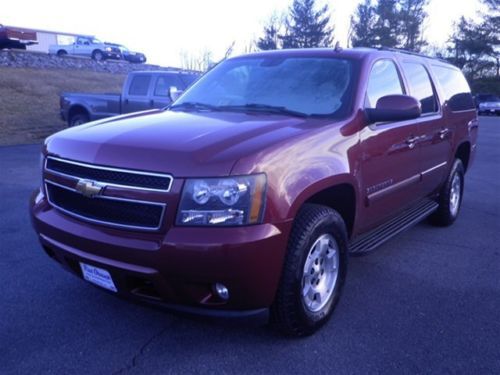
{"x":339,"y":194}
{"x":77,"y":109}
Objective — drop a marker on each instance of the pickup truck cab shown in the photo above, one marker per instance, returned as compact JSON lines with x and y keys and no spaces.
{"x":246,"y":196}
{"x":87,"y":47}
{"x":141,"y":91}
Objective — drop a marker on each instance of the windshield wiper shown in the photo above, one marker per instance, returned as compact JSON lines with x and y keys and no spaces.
{"x":195,"y":106}
{"x":263,"y":108}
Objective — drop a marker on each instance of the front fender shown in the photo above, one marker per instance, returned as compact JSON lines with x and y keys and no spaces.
{"x":299,"y":168}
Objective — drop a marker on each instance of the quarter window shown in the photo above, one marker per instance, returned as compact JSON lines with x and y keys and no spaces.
{"x":455,"y":87}
{"x":384,"y":80}
{"x":139,"y":85}
{"x":421,"y":86}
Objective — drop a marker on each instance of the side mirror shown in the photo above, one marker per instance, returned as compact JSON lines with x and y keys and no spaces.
{"x":394,"y":108}
{"x":174,"y":93}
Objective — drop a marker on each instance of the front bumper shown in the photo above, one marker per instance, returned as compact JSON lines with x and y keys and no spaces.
{"x":489,"y":111}
{"x":178,"y":269}
{"x":113,"y":55}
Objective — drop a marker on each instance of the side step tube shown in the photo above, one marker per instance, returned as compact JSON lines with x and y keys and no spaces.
{"x":376,"y":237}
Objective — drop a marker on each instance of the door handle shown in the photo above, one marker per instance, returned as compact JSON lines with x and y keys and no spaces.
{"x":443,"y":133}
{"x":411,"y":141}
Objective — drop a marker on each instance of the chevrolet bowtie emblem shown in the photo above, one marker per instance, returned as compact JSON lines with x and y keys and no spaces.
{"x":89,"y":188}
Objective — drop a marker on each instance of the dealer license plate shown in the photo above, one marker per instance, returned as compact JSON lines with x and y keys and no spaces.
{"x":98,"y":276}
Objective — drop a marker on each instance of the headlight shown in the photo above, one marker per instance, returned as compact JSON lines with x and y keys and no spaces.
{"x":108,"y":49}
{"x":223,"y":201}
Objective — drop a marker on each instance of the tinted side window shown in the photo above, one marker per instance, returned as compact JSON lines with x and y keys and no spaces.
{"x":164,"y":82}
{"x":139,"y":85}
{"x":421,"y":86}
{"x":384,"y":80}
{"x":455,"y":88}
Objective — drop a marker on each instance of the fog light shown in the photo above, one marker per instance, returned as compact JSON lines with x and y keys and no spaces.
{"x":221,"y":291}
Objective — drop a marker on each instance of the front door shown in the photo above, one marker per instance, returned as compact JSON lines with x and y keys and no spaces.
{"x":390,"y":169}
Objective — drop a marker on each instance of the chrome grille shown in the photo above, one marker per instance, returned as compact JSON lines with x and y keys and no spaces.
{"x":105,"y":209}
{"x":111,"y":176}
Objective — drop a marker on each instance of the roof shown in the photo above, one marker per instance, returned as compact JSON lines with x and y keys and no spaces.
{"x":355,"y":53}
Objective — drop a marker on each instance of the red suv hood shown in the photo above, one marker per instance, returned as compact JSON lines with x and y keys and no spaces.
{"x":183,"y":144}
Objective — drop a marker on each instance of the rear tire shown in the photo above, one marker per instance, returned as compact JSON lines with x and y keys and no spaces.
{"x":78,"y":119}
{"x":450,"y":197}
{"x":314,"y":271}
{"x":62,"y":53}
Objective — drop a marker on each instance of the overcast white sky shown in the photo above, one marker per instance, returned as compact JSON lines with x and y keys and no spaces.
{"x":162,"y":29}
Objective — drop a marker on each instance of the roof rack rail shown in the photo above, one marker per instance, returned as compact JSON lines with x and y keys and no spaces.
{"x":411,"y":53}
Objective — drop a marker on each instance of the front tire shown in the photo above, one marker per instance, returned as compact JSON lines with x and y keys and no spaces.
{"x":97,"y":55}
{"x":450,"y":197}
{"x":314,"y":271}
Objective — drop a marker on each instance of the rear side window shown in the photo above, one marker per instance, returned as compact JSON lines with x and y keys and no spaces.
{"x":189,"y":79}
{"x":164,"y":82}
{"x":384,"y":80}
{"x":139,"y":85}
{"x":455,"y":88}
{"x":421,"y":86}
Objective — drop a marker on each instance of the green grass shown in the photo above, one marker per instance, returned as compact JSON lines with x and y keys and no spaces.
{"x":29,"y":99}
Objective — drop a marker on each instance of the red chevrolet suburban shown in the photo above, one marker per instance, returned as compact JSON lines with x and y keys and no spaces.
{"x":245,"y":197}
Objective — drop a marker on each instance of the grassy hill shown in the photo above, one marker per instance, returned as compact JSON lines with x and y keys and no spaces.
{"x":29,"y":99}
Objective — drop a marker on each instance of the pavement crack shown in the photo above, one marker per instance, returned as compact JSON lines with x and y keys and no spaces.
{"x":141,"y":351}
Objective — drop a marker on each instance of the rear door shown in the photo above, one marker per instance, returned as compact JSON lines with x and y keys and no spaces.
{"x":162,"y":84}
{"x":137,"y":94}
{"x":435,"y":137}
{"x":390,"y":168}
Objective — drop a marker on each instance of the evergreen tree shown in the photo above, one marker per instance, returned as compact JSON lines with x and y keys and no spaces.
{"x":389,"y":23}
{"x":362,"y":24}
{"x":411,"y":18}
{"x":471,"y":48}
{"x":272,"y":34}
{"x":386,"y":28}
{"x":307,"y":27}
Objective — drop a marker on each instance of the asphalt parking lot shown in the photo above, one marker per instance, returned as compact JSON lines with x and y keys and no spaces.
{"x":427,"y":301}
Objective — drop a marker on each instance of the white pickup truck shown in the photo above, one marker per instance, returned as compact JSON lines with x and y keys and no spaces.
{"x":89,"y":47}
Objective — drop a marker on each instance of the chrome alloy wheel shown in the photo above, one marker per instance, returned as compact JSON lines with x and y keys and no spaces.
{"x":320,"y":274}
{"x":455,"y":193}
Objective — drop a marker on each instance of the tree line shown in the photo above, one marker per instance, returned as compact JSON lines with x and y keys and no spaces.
{"x":473,"y":46}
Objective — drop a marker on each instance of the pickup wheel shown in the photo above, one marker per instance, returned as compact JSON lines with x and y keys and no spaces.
{"x":97,"y":55}
{"x":78,"y":119}
{"x":450,"y":197}
{"x":314,"y":271}
{"x":62,"y":53}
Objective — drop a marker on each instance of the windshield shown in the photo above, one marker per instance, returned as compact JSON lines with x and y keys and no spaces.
{"x":319,"y":86}
{"x":96,"y":41}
